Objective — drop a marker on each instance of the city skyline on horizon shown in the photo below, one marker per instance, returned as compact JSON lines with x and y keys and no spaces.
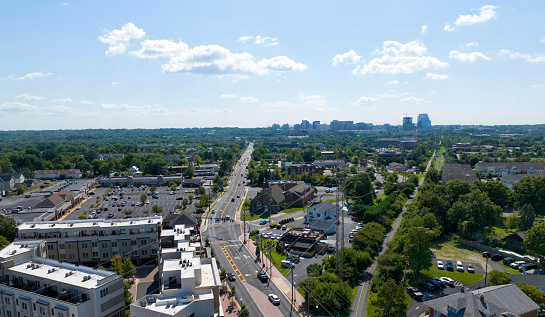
{"x":79,"y":65}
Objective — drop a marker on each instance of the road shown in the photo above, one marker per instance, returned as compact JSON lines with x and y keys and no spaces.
{"x":224,"y":237}
{"x":359,"y":304}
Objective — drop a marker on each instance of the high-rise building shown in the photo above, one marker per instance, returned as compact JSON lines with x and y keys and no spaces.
{"x":424,"y":121}
{"x":305,"y":125}
{"x":408,"y":123}
{"x":315,"y":124}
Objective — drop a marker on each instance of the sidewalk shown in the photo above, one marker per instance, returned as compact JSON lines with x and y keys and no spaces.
{"x":281,"y":282}
{"x":226,"y":303}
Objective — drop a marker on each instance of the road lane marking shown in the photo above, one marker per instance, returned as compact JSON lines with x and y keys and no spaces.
{"x":363,"y":286}
{"x":233,"y":265}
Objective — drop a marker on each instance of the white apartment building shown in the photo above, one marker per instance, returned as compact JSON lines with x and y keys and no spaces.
{"x":189,"y":284}
{"x":48,"y":288}
{"x":94,"y":241}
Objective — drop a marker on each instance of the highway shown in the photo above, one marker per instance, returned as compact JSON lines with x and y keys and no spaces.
{"x":232,"y":255}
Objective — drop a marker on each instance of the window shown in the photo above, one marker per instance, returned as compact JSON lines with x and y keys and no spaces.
{"x":124,"y":243}
{"x":61,"y":246}
{"x":24,"y":305}
{"x":95,"y":254}
{"x":105,"y":255}
{"x":84,"y":245}
{"x":114,"y":244}
{"x":50,"y":247}
{"x":85,"y":255}
{"x":52,"y":257}
{"x":94,"y":244}
{"x":142,"y":242}
{"x":42,"y":311}
{"x":72,"y":256}
{"x":134,"y":242}
{"x":103,"y":292}
{"x":62,"y":256}
{"x":134,"y":253}
{"x":144,"y":252}
{"x":70,"y":246}
{"x":153,"y":251}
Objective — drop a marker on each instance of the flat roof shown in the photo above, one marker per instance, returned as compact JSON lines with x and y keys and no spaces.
{"x":62,"y":272}
{"x":89,"y":223}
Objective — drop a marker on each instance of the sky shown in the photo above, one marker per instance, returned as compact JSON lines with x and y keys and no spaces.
{"x":179,"y":64}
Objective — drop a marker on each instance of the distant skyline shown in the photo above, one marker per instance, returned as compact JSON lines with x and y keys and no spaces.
{"x":179,"y":64}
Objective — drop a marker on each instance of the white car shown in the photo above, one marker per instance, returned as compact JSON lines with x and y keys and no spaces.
{"x":459,"y":266}
{"x":448,"y":280}
{"x":440,"y":265}
{"x":274,"y":299}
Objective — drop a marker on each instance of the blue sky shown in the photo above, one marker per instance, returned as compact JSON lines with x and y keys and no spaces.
{"x":177,"y":64}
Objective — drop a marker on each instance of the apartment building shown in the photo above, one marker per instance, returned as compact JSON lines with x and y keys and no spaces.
{"x":189,"y":284}
{"x":93,"y":241}
{"x":32,"y":286}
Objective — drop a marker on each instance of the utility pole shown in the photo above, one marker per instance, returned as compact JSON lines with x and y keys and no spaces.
{"x":486,"y":272}
{"x":291,"y":309}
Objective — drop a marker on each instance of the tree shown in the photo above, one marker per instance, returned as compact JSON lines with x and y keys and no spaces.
{"x":7,"y":228}
{"x":257,"y":252}
{"x":473,"y":212}
{"x":369,"y":238}
{"x":127,"y":212}
{"x":20,"y":189}
{"x":391,"y":300}
{"x":127,"y":293}
{"x":417,"y":248}
{"x":81,"y":216}
{"x":536,"y":295}
{"x":390,"y":265}
{"x":314,"y":270}
{"x":233,"y":294}
{"x":128,"y":269}
{"x":244,"y":312}
{"x":530,"y":190}
{"x":511,"y":222}
{"x":498,"y":278}
{"x":223,"y":275}
{"x":143,"y":198}
{"x":527,"y":216}
{"x":3,"y":242}
{"x":188,"y":173}
{"x":156,"y":209}
{"x":535,"y":236}
{"x":185,"y":202}
{"x":117,"y":264}
{"x":153,"y":188}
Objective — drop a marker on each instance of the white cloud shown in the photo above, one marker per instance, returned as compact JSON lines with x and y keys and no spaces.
{"x":397,"y":95}
{"x":542,"y":40}
{"x":530,"y":58}
{"x":313,"y":100}
{"x":260,"y":40}
{"x":160,"y":48}
{"x":118,"y":40}
{"x":424,"y":29}
{"x":144,"y":108}
{"x":115,"y":83}
{"x":210,"y":110}
{"x":400,"y":58}
{"x":34,"y":76}
{"x":448,"y":27}
{"x":485,"y":13}
{"x":248,"y":99}
{"x":17,"y":107}
{"x":472,"y":44}
{"x":65,"y":3}
{"x":58,"y":109}
{"x":29,"y":97}
{"x":228,"y":96}
{"x":393,"y":82}
{"x":413,"y":100}
{"x":87,"y":102}
{"x":217,"y":60}
{"x":349,"y":57}
{"x":538,"y":86}
{"x":278,"y":106}
{"x":468,"y":57}
{"x":435,"y":76}
{"x":364,"y":101}
{"x":62,"y":100}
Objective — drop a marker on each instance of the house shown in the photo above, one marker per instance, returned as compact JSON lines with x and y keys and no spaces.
{"x":462,"y":172}
{"x":172,"y":158}
{"x":303,"y":241}
{"x":302,"y":168}
{"x":183,"y":218}
{"x":504,"y":168}
{"x":394,"y":166}
{"x":56,"y":174}
{"x":10,"y":182}
{"x":510,"y":179}
{"x":515,"y":241}
{"x":280,"y":192}
{"x":501,"y":300}
{"x":269,"y":199}
{"x":135,"y":171}
{"x":322,"y":212}
{"x":466,"y":147}
{"x":299,"y":195}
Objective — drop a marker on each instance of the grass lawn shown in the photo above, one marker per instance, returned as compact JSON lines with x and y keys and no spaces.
{"x":290,"y":210}
{"x":249,"y":216}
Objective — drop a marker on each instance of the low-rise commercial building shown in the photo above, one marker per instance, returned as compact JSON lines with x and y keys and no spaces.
{"x":93,"y":241}
{"x":56,"y":174}
{"x":136,"y":181}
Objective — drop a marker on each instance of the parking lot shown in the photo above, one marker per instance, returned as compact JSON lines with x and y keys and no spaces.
{"x":164,"y":199}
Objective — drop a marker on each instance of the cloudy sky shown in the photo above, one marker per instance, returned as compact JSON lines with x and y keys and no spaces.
{"x":153,"y":64}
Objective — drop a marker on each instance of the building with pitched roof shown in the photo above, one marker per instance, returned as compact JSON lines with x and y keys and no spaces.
{"x":462,"y":172}
{"x":504,"y":168}
{"x":501,"y":300}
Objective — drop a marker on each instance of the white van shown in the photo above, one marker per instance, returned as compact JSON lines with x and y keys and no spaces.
{"x":459,"y":266}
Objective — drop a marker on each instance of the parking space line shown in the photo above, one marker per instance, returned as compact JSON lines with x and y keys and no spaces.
{"x":233,"y":265}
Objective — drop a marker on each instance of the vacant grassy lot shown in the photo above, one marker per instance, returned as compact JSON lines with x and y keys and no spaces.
{"x":290,"y":210}
{"x":249,"y":216}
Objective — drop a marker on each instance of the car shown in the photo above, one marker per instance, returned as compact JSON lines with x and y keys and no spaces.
{"x":448,"y":281}
{"x":110,"y":215}
{"x":95,"y":216}
{"x":105,"y":209}
{"x":496,"y":257}
{"x":218,"y":219}
{"x":437,"y":283}
{"x":155,"y":196}
{"x":516,"y":264}
{"x":213,"y":211}
{"x":414,"y":293}
{"x":508,"y":261}
{"x":265,"y":236}
{"x":147,"y":202}
{"x":238,"y":196}
{"x":285,"y":264}
{"x":331,"y":248}
{"x":263,"y":222}
{"x":426,"y":286}
{"x":278,"y":226}
{"x":262,"y":276}
{"x":227,"y":218}
{"x":459,"y":266}
{"x":527,"y":266}
{"x":274,"y":299}
{"x":179,"y":198}
{"x":171,"y":193}
{"x":487,"y":254}
{"x":78,"y":207}
{"x":284,"y":227}
{"x":293,"y":258}
{"x":440,"y":265}
{"x":133,"y":203}
{"x":232,"y":200}
{"x":470,"y":268}
{"x":231,"y":277}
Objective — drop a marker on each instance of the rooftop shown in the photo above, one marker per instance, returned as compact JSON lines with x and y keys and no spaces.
{"x":89,"y":223}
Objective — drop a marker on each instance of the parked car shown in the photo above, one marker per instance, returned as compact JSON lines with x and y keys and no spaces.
{"x":487,"y":254}
{"x":278,"y":226}
{"x":470,"y":268}
{"x":459,"y":266}
{"x":426,"y":286}
{"x":274,"y":299}
{"x":436,"y":283}
{"x":508,"y":261}
{"x":448,"y":281}
{"x":331,"y":248}
{"x":496,"y":257}
{"x":440,"y":265}
{"x":110,"y":215}
{"x":450,"y":267}
{"x":293,"y":258}
{"x":536,"y":272}
{"x":516,"y":264}
{"x":414,"y":293}
{"x":527,"y":266}
{"x":285,"y":264}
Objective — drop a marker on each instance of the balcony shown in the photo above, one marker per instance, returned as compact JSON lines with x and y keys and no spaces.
{"x":71,"y":297}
